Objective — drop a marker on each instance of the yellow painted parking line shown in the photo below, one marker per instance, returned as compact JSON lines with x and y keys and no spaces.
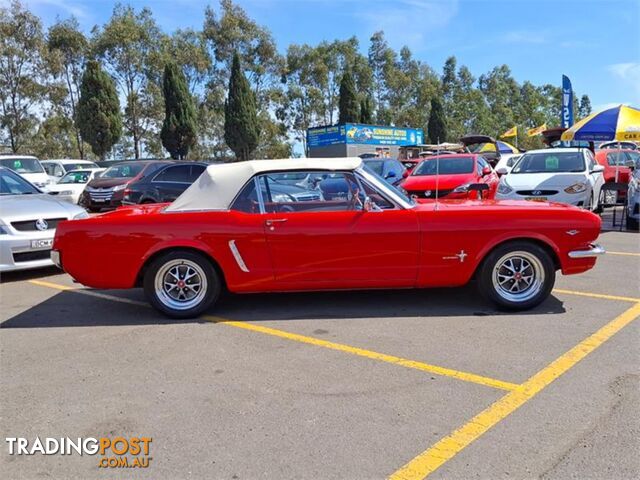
{"x":597,"y":295}
{"x":448,"y":447}
{"x":624,"y":253}
{"x":403,"y":362}
{"x":383,"y":357}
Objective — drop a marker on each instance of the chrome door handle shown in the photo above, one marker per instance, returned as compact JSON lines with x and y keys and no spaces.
{"x":275,"y":220}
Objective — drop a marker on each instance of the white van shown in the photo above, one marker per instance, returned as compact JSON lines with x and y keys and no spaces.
{"x":56,"y":169}
{"x":29,"y":168}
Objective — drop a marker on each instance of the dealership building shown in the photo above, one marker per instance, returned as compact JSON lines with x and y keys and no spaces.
{"x":354,"y":139}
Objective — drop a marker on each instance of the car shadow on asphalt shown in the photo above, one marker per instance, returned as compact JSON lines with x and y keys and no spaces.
{"x":25,"y":275}
{"x":69,"y":309}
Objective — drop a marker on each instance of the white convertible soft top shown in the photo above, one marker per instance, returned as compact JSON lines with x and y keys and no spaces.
{"x":219,"y":184}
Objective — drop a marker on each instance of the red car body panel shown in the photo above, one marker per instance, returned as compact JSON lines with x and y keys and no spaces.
{"x":415,"y":184}
{"x":323,"y":250}
{"x":610,"y":170}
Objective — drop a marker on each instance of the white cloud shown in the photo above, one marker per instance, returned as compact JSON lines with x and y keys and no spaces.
{"x":406,"y":22}
{"x":69,"y":7}
{"x":629,"y":75}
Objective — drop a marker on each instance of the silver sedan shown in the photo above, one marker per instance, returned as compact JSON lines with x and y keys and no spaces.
{"x":28,"y":220}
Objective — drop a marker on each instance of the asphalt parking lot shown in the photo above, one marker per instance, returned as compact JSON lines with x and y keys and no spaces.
{"x":402,"y":384}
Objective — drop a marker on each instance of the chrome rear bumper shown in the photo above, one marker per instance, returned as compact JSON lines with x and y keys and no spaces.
{"x":594,"y":251}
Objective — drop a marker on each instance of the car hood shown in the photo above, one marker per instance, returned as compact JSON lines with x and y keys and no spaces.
{"x":108,"y":182}
{"x":530,"y":181}
{"x":61,"y":187}
{"x":17,"y":207}
{"x":445,"y":182}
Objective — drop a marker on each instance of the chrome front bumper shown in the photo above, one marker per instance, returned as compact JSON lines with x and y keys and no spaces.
{"x":594,"y":251}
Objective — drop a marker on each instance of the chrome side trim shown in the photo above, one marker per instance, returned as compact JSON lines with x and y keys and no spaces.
{"x":237,"y":256}
{"x":594,"y":251}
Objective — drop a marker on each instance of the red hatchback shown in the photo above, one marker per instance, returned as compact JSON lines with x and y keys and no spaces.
{"x":619,"y":160}
{"x":451,"y":175}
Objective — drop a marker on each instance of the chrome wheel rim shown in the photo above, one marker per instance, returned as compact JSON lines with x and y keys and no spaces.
{"x":518,"y":276}
{"x":180,"y":284}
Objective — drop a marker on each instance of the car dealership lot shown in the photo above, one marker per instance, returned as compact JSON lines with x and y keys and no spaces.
{"x":333,"y":384}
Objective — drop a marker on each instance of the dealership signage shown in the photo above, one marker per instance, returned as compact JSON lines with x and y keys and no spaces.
{"x":354,"y":133}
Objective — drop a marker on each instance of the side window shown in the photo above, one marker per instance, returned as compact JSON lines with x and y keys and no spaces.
{"x":375,"y":196}
{"x":591,"y":161}
{"x":48,"y":167}
{"x":196,"y":171}
{"x":247,"y":201}
{"x":325,"y":192}
{"x":57,"y":170}
{"x":179,"y":173}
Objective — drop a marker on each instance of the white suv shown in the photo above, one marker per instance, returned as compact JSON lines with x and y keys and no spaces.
{"x":29,"y":168}
{"x":56,"y":169}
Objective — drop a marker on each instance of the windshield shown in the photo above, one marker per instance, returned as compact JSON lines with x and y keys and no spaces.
{"x":22,"y":165}
{"x":123,"y":170}
{"x":79,"y":176}
{"x":448,"y":166}
{"x":13,"y":184}
{"x":619,"y":159}
{"x":635,"y":159}
{"x":375,"y":165}
{"x":79,"y":166}
{"x":381,"y":184}
{"x":550,"y":162}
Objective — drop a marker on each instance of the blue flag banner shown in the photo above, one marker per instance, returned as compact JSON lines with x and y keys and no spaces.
{"x":567,"y":103}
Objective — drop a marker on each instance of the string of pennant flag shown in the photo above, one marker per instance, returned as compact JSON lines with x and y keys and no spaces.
{"x":532,"y":132}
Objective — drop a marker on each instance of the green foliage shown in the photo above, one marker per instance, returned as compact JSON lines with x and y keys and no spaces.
{"x":437,"y":127}
{"x":129,"y":45}
{"x":241,"y":127}
{"x":22,"y":74}
{"x":179,"y":128}
{"x":98,"y":117}
{"x":349,"y":108}
{"x":67,"y":51}
{"x":366,"y":111}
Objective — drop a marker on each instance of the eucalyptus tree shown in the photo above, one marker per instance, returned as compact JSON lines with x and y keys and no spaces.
{"x":23,"y":82}
{"x":67,"y":53}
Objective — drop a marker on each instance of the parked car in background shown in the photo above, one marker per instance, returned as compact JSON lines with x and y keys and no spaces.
{"x":70,"y":187}
{"x":56,"y":169}
{"x":451,"y":175}
{"x":28,"y":220}
{"x":506,"y":162}
{"x":107,"y":190}
{"x":633,"y":197}
{"x":619,"y":145}
{"x":565,"y":175}
{"x":243,"y":238}
{"x":617,"y":163}
{"x":165,"y":185}
{"x":391,"y":169}
{"x":29,"y":168}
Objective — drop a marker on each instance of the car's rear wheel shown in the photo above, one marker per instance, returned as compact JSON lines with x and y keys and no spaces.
{"x":517,"y":276}
{"x":181,"y":284}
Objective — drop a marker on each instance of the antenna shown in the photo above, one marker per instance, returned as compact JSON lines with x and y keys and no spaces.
{"x":437,"y":171}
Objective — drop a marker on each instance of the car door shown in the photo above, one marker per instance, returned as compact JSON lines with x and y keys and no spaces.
{"x":490,"y":179}
{"x":171,"y":182}
{"x":596,"y":179}
{"x":332,"y":241}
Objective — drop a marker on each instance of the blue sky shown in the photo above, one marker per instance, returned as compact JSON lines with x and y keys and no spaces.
{"x":595,"y":42}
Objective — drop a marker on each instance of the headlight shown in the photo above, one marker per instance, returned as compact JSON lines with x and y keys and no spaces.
{"x":576,"y":188}
{"x":462,"y":188}
{"x":117,"y":188}
{"x":4,"y":230}
{"x":81,"y":215}
{"x":504,"y":189}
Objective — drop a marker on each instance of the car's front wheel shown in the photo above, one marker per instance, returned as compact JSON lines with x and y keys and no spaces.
{"x":517,"y":275}
{"x":181,"y":284}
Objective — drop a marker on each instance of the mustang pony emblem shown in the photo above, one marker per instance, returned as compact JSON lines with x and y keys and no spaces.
{"x":458,"y":256}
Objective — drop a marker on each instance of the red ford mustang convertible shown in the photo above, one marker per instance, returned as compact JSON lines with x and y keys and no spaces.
{"x":315,"y":224}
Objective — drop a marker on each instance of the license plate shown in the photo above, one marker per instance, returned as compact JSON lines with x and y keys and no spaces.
{"x":536,"y":199}
{"x":44,"y":243}
{"x":99,"y":200}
